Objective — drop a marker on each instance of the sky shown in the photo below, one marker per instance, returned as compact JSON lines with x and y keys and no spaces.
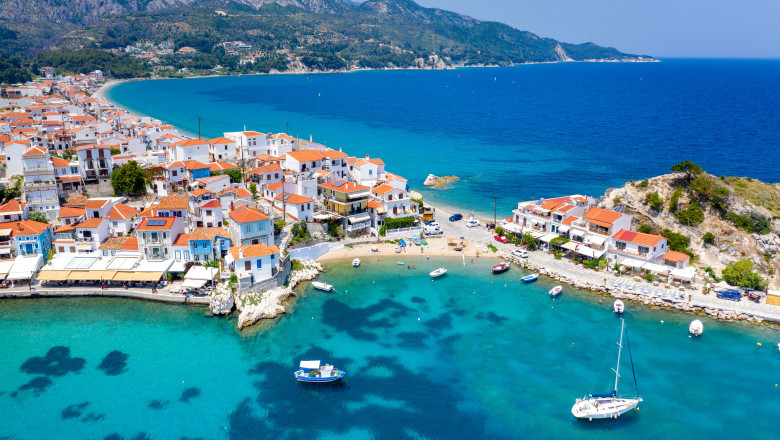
{"x":660,"y":28}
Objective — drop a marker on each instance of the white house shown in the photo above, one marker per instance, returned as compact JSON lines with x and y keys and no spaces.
{"x":646,"y":248}
{"x":90,"y":233}
{"x":366,"y":172}
{"x":394,"y":203}
{"x":13,"y":211}
{"x":121,"y":219}
{"x":40,"y":187}
{"x":257,"y":262}
{"x":13,"y":155}
{"x":300,"y":208}
{"x":94,"y":162}
{"x":222,"y":148}
{"x":191,"y":149}
{"x":304,"y":161}
{"x":249,"y":225}
{"x":156,"y":236}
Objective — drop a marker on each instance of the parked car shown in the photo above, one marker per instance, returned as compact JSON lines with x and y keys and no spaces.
{"x":432,"y":230}
{"x":732,"y":294}
{"x":455,"y":217}
{"x":755,"y":296}
{"x":433,"y":223}
{"x":501,"y":238}
{"x":473,"y":223}
{"x":520,"y":253}
{"x":428,"y":222}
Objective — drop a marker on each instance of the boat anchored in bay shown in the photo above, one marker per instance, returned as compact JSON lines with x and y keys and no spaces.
{"x":323,"y":286}
{"x":438,"y":272}
{"x":610,"y":405}
{"x":312,"y":371}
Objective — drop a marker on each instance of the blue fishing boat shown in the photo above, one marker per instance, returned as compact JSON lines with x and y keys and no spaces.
{"x":530,"y":278}
{"x":416,"y":240}
{"x":312,"y":371}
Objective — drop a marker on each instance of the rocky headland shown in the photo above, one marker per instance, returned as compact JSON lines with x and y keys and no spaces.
{"x":433,"y":181}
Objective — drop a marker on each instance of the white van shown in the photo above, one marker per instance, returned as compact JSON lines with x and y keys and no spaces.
{"x":432,"y":230}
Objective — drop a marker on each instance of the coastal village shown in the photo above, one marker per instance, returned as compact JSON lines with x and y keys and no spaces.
{"x":223,"y":221}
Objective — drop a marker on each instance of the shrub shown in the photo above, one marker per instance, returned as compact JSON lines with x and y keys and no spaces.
{"x":645,"y":229}
{"x":754,"y":222}
{"x":692,"y":215}
{"x":643,"y":184}
{"x":711,"y":272}
{"x":558,"y":255}
{"x":253,"y":188}
{"x":383,"y":231}
{"x":687,"y":167}
{"x":675,"y":199}
{"x":655,"y":201}
{"x":400,"y":222}
{"x":559,"y":241}
{"x":530,"y":242}
{"x":677,"y":242}
{"x":740,"y":273}
{"x":492,"y":247}
{"x":499,"y":230}
{"x":708,"y":238}
{"x":280,"y":224}
{"x":419,"y":202}
{"x":710,"y":190}
{"x":233,"y":279}
{"x":37,"y":216}
{"x":649,"y":277}
{"x":296,"y":265}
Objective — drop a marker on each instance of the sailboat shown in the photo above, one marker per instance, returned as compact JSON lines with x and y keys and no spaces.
{"x":610,"y":405}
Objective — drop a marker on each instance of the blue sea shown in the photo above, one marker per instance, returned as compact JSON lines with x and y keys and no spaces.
{"x":469,"y":356}
{"x":517,"y":133}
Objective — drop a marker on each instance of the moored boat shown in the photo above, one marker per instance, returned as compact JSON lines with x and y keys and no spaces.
{"x":312,"y":371}
{"x":416,"y":240}
{"x":438,"y":272}
{"x":356,"y":262}
{"x":323,"y":286}
{"x":696,"y":328}
{"x":530,"y":278}
{"x":555,"y":291}
{"x":610,"y":405}
{"x":618,"y":306}
{"x":501,"y":268}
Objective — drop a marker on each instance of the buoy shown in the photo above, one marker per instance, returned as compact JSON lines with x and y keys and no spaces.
{"x":758,"y":344}
{"x":418,"y":319}
{"x":504,"y":285}
{"x":662,"y":321}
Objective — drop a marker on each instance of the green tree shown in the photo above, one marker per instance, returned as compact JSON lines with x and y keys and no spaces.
{"x":646,"y":229}
{"x":129,"y":179}
{"x":655,"y":201}
{"x":675,"y":199}
{"x":14,"y":190}
{"x":708,"y":238}
{"x":115,"y":151}
{"x":38,"y":216}
{"x":253,"y":188}
{"x":677,"y":242}
{"x":235,"y":174}
{"x":692,"y":215}
{"x":689,"y":168}
{"x":740,"y":273}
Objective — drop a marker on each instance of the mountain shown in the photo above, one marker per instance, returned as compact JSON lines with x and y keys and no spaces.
{"x":286,"y":34}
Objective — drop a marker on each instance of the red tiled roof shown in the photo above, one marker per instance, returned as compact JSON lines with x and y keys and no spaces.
{"x":383,"y":188}
{"x":167,"y":225}
{"x":24,"y":228}
{"x":120,"y":211}
{"x":677,"y":257}
{"x":270,"y":168}
{"x":345,"y":187}
{"x":96,"y":204}
{"x":200,"y":191}
{"x":211,"y":204}
{"x":637,"y":237}
{"x":182,"y":240}
{"x":602,"y":215}
{"x":91,"y":223}
{"x":174,"y":202}
{"x":12,"y":206}
{"x":67,"y":212}
{"x":221,"y":166}
{"x":209,"y":233}
{"x":253,"y":250}
{"x":246,"y":214}
{"x":293,"y":199}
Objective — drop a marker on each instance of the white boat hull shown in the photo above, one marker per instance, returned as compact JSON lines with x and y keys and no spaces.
{"x":603,"y":408}
{"x":696,"y":328}
{"x":555,"y":291}
{"x":356,"y":262}
{"x":323,"y":286}
{"x":438,"y":272}
{"x":618,"y":306}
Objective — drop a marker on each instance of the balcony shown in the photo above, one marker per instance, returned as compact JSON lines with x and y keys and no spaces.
{"x":150,"y":240}
{"x":85,"y":239}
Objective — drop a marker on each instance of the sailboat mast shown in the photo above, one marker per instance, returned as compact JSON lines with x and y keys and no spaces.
{"x":620,"y":348}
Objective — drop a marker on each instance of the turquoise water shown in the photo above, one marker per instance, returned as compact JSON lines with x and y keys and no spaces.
{"x":517,"y":133}
{"x":424,"y":360}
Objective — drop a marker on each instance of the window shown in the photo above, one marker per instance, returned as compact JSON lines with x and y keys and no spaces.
{"x":175,"y":173}
{"x":259,"y":263}
{"x":62,"y":248}
{"x":247,"y":265}
{"x":248,"y":228}
{"x":208,"y":212}
{"x":621,"y":246}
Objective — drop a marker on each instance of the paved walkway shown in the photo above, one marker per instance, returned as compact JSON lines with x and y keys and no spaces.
{"x":162,"y":295}
{"x":567,"y":268}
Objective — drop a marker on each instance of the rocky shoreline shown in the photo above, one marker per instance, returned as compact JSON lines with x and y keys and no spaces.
{"x":436,"y":181}
{"x":254,"y":306}
{"x":619,"y":293}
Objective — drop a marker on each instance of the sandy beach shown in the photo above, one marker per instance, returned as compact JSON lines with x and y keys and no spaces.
{"x":437,"y":247}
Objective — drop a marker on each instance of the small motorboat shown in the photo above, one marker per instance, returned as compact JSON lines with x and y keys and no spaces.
{"x":438,"y":272}
{"x":696,"y":328}
{"x":397,"y":249}
{"x":501,"y":268}
{"x":400,"y":263}
{"x":356,"y":262}
{"x":618,"y":306}
{"x":323,"y":286}
{"x":312,"y":371}
{"x":530,"y":278}
{"x":416,"y":240}
{"x":555,"y":291}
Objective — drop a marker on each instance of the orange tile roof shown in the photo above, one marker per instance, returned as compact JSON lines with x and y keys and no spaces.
{"x":174,"y":202}
{"x":221,"y":140}
{"x":92,"y":147}
{"x":120,"y":211}
{"x":638,"y":238}
{"x":96,"y":204}
{"x":182,"y":240}
{"x":376,"y":161}
{"x":64,"y":228}
{"x":91,"y":223}
{"x":200,"y":191}
{"x":191,"y":142}
{"x":131,"y":244}
{"x":333,"y":154}
{"x":383,"y":188}
{"x":195,"y":165}
{"x":306,"y":155}
{"x":373,"y":204}
{"x":209,"y":233}
{"x":220,"y":166}
{"x":677,"y":257}
{"x":59,"y":162}
{"x":246,"y":214}
{"x":270,"y":168}
{"x":346,"y":187}
{"x":241,"y":192}
{"x":570,"y":220}
{"x":211,"y":204}
{"x":294,"y":199}
{"x":113,"y":243}
{"x":252,"y":133}
{"x":76,"y":201}
{"x":34,"y":151}
{"x":67,"y":212}
{"x":602,"y":215}
{"x":25,"y":228}
{"x":254,"y":250}
{"x":12,"y":206}
{"x":151,"y":211}
{"x":168,"y":223}
{"x":68,"y":179}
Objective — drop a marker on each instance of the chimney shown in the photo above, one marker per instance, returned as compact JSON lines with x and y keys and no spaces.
{"x":240,"y":253}
{"x":311,"y":138}
{"x":366,"y":156}
{"x":19,"y":225}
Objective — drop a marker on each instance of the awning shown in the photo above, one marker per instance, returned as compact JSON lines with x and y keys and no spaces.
{"x":631,"y":262}
{"x":81,"y":275}
{"x":536,"y":234}
{"x":598,"y":240}
{"x":512,"y":227}
{"x":589,"y":252}
{"x":5,"y":251}
{"x":563,"y":229}
{"x":138,"y":276}
{"x":193,"y":284}
{"x":177,"y":266}
{"x":657,"y":268}
{"x":687,"y":274}
{"x":5,"y":267}
{"x":569,"y":245}
{"x":4,"y":232}
{"x":358,"y":219}
{"x":322,"y":216}
{"x":578,"y":233}
{"x":53,"y":275}
{"x":87,"y":246}
{"x":201,"y":273}
{"x":548,"y":238}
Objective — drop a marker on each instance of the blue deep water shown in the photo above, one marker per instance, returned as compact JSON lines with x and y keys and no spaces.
{"x":518,"y":133}
{"x":469,"y":356}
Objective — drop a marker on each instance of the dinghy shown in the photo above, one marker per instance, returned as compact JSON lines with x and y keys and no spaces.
{"x":323,"y":286}
{"x":438,"y":272}
{"x":696,"y":328}
{"x":555,"y":291}
{"x":618,"y":306}
{"x":530,"y":278}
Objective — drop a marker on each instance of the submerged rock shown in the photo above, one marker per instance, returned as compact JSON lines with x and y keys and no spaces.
{"x":433,"y":180}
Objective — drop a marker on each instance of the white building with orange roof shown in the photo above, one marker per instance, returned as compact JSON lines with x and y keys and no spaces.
{"x":304,"y":161}
{"x":367,"y":171}
{"x":299,"y":208}
{"x":550,"y":215}
{"x":349,"y":201}
{"x":253,"y":263}
{"x":94,"y":162}
{"x":222,"y":148}
{"x":67,"y":175}
{"x":156,"y":236}
{"x":40,"y":186}
{"x":191,"y":149}
{"x":336,"y":163}
{"x":122,"y":219}
{"x":207,"y":214}
{"x":90,"y":233}
{"x":13,"y":151}
{"x":213,"y":183}
{"x":71,"y":216}
{"x":390,"y":202}
{"x":266,"y":174}
{"x":248,"y":225}
{"x":13,"y":211}
{"x":396,"y":181}
{"x":100,"y":207}
{"x":647,"y":248}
